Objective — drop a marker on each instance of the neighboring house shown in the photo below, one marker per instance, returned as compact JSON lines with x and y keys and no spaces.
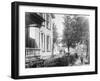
{"x":38,"y":34}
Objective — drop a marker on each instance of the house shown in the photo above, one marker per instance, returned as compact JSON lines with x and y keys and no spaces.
{"x":38,"y":35}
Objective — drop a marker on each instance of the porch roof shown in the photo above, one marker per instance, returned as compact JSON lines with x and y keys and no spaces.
{"x":33,"y":18}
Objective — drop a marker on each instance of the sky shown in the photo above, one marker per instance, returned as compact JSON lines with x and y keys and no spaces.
{"x":59,"y":23}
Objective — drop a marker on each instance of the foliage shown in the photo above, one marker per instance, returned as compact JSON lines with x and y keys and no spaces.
{"x":76,"y":29}
{"x":55,"y":34}
{"x":63,"y":61}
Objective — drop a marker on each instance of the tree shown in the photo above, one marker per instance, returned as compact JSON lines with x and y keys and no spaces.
{"x":55,"y":36}
{"x":76,"y":29}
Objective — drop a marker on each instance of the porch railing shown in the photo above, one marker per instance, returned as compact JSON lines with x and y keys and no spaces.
{"x":32,"y":53}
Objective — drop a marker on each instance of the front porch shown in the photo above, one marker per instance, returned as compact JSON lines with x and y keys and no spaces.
{"x":35,"y":58}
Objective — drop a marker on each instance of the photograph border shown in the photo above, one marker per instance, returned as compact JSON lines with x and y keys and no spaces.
{"x":15,"y":39}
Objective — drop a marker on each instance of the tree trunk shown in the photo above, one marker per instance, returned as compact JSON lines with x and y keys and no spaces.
{"x":88,"y":51}
{"x":68,"y":50}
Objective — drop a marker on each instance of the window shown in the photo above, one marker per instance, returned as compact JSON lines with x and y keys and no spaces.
{"x":42,"y":41}
{"x":48,"y":21}
{"x":48,"y":43}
